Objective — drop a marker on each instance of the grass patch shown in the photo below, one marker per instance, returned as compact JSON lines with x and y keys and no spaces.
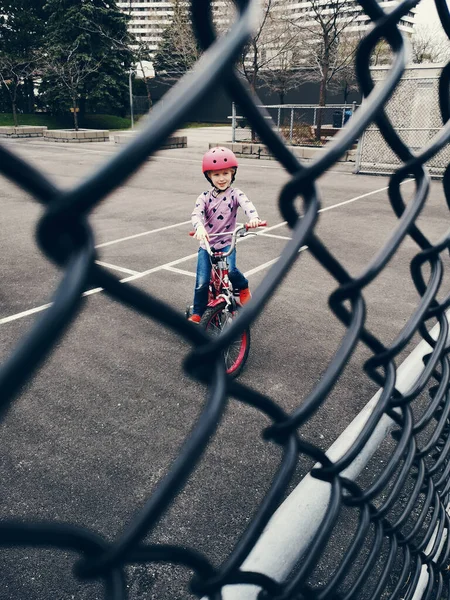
{"x":110,"y":122}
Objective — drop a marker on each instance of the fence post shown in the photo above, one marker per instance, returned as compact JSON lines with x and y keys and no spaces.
{"x":279,"y":118}
{"x":358,"y":153}
{"x":315,"y":117}
{"x":292,"y":126}
{"x":130,"y":89}
{"x":233,"y":123}
{"x":343,"y":116}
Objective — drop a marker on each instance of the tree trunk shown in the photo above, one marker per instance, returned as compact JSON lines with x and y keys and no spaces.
{"x":253,"y":86}
{"x":346,"y":92}
{"x":30,"y":95}
{"x":147,"y":86}
{"x":322,"y":102}
{"x":14,"y":112}
{"x":254,"y":79}
{"x":75,"y":114}
{"x":149,"y":95}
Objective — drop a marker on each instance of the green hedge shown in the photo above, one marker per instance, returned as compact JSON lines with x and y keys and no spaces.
{"x":66,"y":121}
{"x":110,"y":122}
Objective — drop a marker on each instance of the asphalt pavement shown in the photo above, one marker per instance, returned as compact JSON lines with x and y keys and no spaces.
{"x":89,"y":438}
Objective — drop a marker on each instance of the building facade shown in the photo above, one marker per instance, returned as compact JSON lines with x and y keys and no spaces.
{"x":149,"y":18}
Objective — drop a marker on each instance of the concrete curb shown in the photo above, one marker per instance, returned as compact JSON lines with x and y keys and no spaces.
{"x":171,"y":142}
{"x":22,"y":131}
{"x":247,"y":150}
{"x":82,"y":135}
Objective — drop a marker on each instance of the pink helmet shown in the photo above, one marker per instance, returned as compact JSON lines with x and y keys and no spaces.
{"x":218,"y":158}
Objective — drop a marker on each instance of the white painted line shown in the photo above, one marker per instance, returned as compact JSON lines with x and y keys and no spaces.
{"x":25,"y":313}
{"x":180,"y":260}
{"x":180,"y":271}
{"x":268,"y":264}
{"x":271,"y":235}
{"x":132,"y":237}
{"x":261,"y":267}
{"x":97,"y":290}
{"x":116,"y":268}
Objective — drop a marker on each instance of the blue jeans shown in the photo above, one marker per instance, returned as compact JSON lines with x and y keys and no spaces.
{"x":238,"y":281}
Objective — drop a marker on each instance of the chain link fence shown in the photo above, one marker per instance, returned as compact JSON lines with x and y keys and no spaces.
{"x":398,"y":543}
{"x":296,"y":123}
{"x":414,"y":111}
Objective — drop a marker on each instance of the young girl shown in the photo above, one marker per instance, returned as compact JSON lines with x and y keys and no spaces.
{"x":215,"y":212}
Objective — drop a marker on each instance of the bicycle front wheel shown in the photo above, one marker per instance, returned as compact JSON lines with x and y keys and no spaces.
{"x":215,"y":319}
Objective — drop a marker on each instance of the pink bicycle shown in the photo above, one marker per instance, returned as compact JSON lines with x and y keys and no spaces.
{"x":223,"y":304}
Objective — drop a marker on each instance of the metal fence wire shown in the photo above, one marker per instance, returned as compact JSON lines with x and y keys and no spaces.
{"x":297,"y":123}
{"x":403,"y":512}
{"x":414,"y":112}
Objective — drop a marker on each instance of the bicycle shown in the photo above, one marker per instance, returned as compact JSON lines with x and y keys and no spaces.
{"x":222,"y":304}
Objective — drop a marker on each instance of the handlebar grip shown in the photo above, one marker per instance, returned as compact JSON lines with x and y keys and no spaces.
{"x":262,"y":224}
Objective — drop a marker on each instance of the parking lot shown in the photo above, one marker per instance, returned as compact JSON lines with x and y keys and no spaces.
{"x":89,"y":439}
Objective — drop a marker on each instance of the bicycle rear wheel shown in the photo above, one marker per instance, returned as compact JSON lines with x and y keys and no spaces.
{"x":215,"y":319}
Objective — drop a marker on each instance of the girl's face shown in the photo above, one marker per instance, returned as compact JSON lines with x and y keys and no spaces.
{"x":221,"y":179}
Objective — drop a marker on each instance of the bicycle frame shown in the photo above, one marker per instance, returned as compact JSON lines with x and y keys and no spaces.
{"x":220,"y":287}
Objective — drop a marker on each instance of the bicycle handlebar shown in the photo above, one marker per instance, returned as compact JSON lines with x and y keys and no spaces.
{"x":244,"y":227}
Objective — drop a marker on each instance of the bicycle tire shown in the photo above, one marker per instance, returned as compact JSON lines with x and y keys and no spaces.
{"x":214,"y":319}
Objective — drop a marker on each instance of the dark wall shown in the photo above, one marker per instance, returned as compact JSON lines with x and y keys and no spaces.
{"x":216,"y":107}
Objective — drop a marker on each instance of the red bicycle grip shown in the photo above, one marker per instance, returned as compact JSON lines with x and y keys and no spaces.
{"x":262,"y":224}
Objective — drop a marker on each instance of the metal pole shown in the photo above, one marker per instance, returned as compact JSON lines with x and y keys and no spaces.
{"x":343,"y":116}
{"x":359,"y":152}
{"x":315,"y":116}
{"x":130,"y":85}
{"x":233,"y":122}
{"x":279,"y":118}
{"x":292,"y":125}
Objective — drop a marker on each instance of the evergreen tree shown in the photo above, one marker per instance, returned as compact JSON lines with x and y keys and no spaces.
{"x":87,"y":59}
{"x":22,"y":27}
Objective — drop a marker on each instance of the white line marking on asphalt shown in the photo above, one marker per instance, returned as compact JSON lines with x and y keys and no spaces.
{"x":180,"y":271}
{"x":25,"y":313}
{"x":268,"y":264}
{"x":271,"y":235}
{"x":116,"y":268}
{"x":180,"y":260}
{"x":136,"y":235}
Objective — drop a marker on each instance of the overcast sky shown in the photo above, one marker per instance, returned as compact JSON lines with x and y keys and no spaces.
{"x":426,"y":12}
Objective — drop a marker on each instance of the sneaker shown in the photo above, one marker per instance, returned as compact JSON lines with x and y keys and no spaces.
{"x":244,"y":296}
{"x":195,"y":318}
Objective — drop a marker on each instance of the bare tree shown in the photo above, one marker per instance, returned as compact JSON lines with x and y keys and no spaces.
{"x":429,"y":44}
{"x":14,"y":72}
{"x":270,"y":55}
{"x":344,"y":78}
{"x":69,"y":69}
{"x":381,"y":54}
{"x":179,"y":49}
{"x":283,"y":70}
{"x":325,"y":28}
{"x":142,"y":55}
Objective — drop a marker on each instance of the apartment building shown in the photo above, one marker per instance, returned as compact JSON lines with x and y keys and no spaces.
{"x":149,"y":18}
